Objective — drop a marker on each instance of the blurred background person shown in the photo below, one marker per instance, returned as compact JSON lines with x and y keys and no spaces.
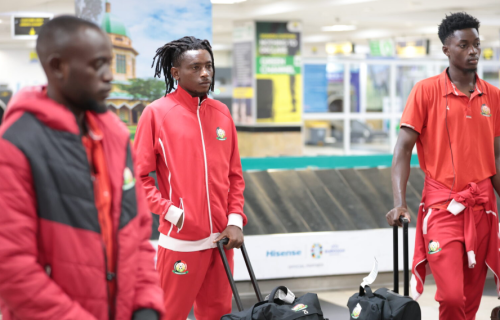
{"x":75,"y":225}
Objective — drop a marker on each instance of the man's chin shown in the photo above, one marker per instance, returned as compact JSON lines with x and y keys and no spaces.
{"x":97,"y":107}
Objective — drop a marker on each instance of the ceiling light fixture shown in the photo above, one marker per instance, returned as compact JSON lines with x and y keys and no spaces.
{"x":0,"y":21}
{"x":226,"y":1}
{"x":339,"y":27}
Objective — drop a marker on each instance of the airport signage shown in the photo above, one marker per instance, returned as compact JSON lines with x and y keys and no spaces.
{"x":28,"y":27}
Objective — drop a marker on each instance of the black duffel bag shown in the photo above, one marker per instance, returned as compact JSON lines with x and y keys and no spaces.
{"x":384,"y":304}
{"x":306,"y":307}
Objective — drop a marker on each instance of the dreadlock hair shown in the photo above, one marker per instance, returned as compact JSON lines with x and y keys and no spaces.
{"x":170,"y":56}
{"x":456,"y":21}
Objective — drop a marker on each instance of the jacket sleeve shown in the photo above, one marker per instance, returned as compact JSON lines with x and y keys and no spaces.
{"x":148,"y":294}
{"x":145,"y":145}
{"x":236,"y":182}
{"x":25,"y":287}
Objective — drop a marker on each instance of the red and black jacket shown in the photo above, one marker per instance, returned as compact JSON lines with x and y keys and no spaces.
{"x":52,"y":255}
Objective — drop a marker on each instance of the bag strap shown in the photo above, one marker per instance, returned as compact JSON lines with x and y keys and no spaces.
{"x":366,"y":291}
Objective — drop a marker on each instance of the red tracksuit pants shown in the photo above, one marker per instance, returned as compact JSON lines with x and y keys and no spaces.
{"x":459,"y":288}
{"x":197,"y":278}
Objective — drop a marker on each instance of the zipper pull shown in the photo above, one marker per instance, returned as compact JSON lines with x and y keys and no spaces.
{"x":110,"y":276}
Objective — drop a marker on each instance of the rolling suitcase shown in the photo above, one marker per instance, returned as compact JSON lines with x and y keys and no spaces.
{"x":385,"y":304}
{"x":306,"y":307}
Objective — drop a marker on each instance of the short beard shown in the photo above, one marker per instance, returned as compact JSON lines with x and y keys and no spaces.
{"x":93,"y":105}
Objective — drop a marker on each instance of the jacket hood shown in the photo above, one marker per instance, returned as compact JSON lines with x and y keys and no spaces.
{"x":34,"y":100}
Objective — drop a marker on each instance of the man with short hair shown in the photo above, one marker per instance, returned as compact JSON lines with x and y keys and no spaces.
{"x":190,"y":141}
{"x":75,"y":224}
{"x":454,"y":118}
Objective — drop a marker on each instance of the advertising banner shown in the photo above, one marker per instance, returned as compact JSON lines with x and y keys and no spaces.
{"x":136,"y":31}
{"x":315,"y":88}
{"x":319,"y":253}
{"x":278,"y":72}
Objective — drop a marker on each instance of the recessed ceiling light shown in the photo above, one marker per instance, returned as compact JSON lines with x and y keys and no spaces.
{"x":0,"y":21}
{"x":339,"y":27}
{"x":226,"y":1}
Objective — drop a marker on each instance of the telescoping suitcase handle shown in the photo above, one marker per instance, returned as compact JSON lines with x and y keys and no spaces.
{"x":256,"y":288}
{"x":404,"y":221}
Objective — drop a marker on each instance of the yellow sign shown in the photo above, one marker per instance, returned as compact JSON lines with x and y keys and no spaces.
{"x":339,"y":48}
{"x":243,"y":93}
{"x":488,"y":53}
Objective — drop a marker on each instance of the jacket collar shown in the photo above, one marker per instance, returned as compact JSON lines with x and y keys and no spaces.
{"x":187,"y":101}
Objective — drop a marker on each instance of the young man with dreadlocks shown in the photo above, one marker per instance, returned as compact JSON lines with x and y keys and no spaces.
{"x":454,"y":118}
{"x":190,"y":141}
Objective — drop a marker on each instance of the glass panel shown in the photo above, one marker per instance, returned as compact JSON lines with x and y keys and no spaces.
{"x":355,"y":88}
{"x":491,"y":74}
{"x":335,"y":89}
{"x":370,"y":136}
{"x":324,"y":137}
{"x":406,"y":78}
{"x":377,"y":88}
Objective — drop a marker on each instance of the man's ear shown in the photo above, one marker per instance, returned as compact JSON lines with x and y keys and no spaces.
{"x":446,"y":50}
{"x":175,"y":73}
{"x":55,"y":66}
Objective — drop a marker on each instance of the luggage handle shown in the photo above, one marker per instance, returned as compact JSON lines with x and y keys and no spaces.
{"x":220,"y":246}
{"x":405,"y":222}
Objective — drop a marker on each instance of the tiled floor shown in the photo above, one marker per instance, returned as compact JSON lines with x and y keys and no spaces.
{"x":333,"y":303}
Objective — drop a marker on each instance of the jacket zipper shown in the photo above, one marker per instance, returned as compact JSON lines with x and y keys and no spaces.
{"x":206,"y":166}
{"x":106,"y":273}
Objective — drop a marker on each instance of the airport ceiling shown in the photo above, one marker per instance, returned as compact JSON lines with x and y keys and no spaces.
{"x":370,"y":19}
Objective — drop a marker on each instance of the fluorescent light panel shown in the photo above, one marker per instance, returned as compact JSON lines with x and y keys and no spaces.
{"x":227,"y":1}
{"x":339,"y":27}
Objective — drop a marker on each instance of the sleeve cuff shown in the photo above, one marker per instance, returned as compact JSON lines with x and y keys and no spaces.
{"x":174,"y":214}
{"x":235,"y":219}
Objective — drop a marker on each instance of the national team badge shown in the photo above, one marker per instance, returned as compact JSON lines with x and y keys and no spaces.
{"x":356,"y":312}
{"x":221,"y":134}
{"x":434,"y":247}
{"x":128,"y":179}
{"x":180,"y":267}
{"x":485,"y":111}
{"x":299,"y":307}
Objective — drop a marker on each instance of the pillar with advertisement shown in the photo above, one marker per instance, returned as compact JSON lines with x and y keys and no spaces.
{"x":267,"y":82}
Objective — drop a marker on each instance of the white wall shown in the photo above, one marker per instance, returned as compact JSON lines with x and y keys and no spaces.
{"x":223,"y":59}
{"x":17,"y":71}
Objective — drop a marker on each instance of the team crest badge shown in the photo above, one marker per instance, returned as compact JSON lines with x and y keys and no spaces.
{"x":299,"y":307}
{"x":356,"y":312}
{"x":485,"y":111}
{"x":434,"y":247}
{"x":128,"y":179}
{"x":221,"y":134}
{"x":180,"y":267}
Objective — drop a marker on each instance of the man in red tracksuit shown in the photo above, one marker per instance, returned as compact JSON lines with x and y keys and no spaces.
{"x":190,"y":141}
{"x":454,"y":118}
{"x":75,"y":227}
